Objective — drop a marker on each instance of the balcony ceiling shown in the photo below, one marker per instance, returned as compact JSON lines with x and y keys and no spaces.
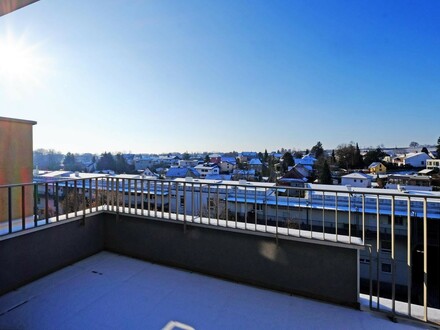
{"x":8,"y":6}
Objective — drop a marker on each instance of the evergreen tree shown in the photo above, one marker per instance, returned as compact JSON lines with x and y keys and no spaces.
{"x":207,"y":159}
{"x":325,"y":175}
{"x":358,"y":160}
{"x":70,"y":163}
{"x":287,"y":161}
{"x":317,"y":150}
{"x":265,"y":156}
{"x":106,"y":162}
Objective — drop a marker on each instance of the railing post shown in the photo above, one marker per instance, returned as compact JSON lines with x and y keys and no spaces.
{"x":425,"y":261}
{"x":46,"y":202}
{"x":10,"y":209}
{"x":23,"y":208}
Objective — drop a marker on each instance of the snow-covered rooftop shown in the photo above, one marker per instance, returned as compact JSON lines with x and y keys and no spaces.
{"x":109,"y":291}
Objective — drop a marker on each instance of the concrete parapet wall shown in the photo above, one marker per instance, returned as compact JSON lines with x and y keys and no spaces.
{"x":326,"y":272}
{"x":323,"y":271}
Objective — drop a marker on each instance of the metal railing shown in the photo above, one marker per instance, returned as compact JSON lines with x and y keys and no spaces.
{"x":399,"y":230}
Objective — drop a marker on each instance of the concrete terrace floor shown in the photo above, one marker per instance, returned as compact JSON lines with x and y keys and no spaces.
{"x":110,"y":291}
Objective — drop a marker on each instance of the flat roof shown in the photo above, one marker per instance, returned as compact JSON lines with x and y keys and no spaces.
{"x":15,"y":120}
{"x":110,"y":291}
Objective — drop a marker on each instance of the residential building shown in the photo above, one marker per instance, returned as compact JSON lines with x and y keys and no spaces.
{"x":432,"y":163}
{"x":227,"y":166}
{"x":215,"y":158}
{"x":418,"y":159}
{"x":377,"y":168}
{"x":409,"y":182}
{"x":188,"y":162}
{"x":307,"y":160}
{"x":16,"y":163}
{"x":255,"y":164}
{"x":205,"y":169}
{"x":181,"y":172}
{"x":356,"y":179}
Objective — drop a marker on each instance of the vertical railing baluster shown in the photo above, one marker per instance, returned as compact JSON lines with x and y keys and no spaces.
{"x":336,"y":216}
{"x":10,"y":209}
{"x":201,"y":202}
{"x":209,"y":204}
{"x":218,"y":203}
{"x":142,"y":197}
{"x":245,"y":207}
{"x":378,"y":254}
{"x":393,"y":259}
{"x":226,"y":206}
{"x":192,"y":202}
{"x":90,"y":195}
{"x":149,"y":196}
{"x":349,"y":218}
{"x":162,"y":209}
{"x":46,"y":202}
{"x":236,"y":206}
{"x":363,"y":219}
{"x":75,"y":196}
{"x":23,"y":207}
{"x":255,"y":208}
{"x":276,"y":215}
{"x":323,"y":215}
{"x":169,"y":199}
{"x":57,"y":201}
{"x":184,"y":206}
{"x":83,"y":182}
{"x":66,"y":200}
{"x":425,"y":260}
{"x":408,"y":255}
{"x":35,"y":185}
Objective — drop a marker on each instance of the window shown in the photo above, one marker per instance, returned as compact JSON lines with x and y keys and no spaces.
{"x":182,"y":200}
{"x":385,"y":246}
{"x":362,"y":181}
{"x":364,"y":260}
{"x":386,"y":267}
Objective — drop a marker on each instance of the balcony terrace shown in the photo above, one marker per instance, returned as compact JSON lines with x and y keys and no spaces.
{"x":312,"y":243}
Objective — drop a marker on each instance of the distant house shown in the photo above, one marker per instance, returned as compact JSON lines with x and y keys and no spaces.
{"x":188,"y":162}
{"x":308,"y":161}
{"x":147,"y":172}
{"x":417,"y":159}
{"x":181,"y":172}
{"x":303,"y":169}
{"x":255,"y":164}
{"x":243,"y":174}
{"x":169,"y":160}
{"x":228,"y":165}
{"x":409,"y":182}
{"x":360,"y":180}
{"x":205,"y":169}
{"x":215,"y":158}
{"x":432,"y":164}
{"x":245,"y":157}
{"x":377,"y":168}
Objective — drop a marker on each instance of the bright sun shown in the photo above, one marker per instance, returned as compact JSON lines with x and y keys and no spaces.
{"x":20,"y":64}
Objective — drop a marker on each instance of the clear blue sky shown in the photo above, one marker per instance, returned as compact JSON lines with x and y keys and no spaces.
{"x":162,"y":76}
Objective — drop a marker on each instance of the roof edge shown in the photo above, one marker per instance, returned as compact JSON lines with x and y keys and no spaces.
{"x":15,"y":120}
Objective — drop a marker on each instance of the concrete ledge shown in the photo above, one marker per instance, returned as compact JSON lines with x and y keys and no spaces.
{"x":318,"y":271}
{"x":32,"y":254}
{"x":327,"y":272}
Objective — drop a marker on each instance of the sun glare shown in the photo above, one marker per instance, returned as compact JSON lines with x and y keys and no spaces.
{"x":20,"y":64}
